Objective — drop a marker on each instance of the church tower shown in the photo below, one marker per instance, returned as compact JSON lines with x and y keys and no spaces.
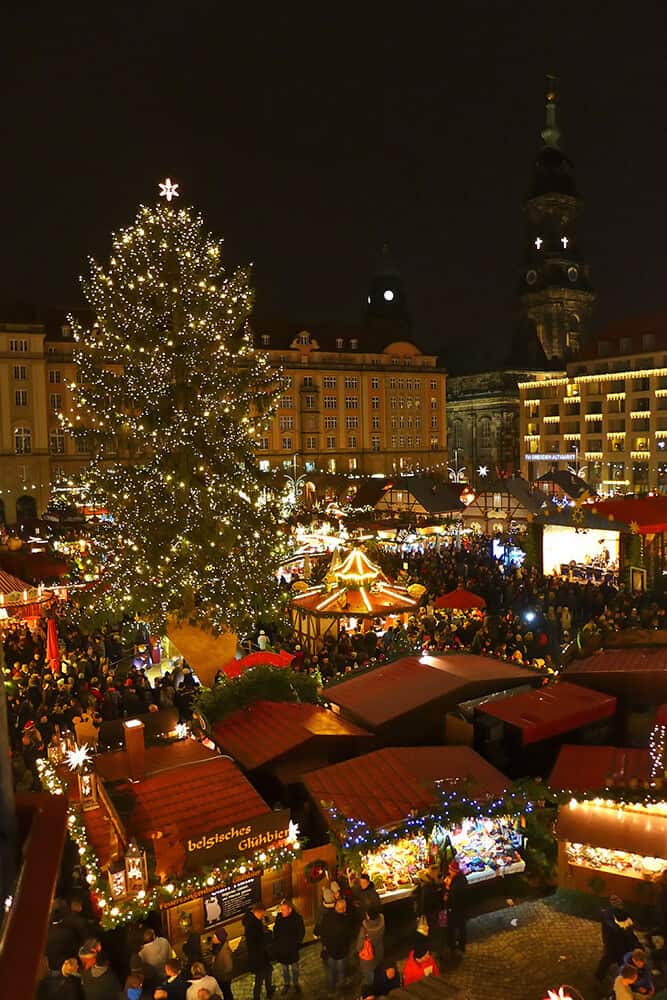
{"x":555,"y":297}
{"x":387,"y":306}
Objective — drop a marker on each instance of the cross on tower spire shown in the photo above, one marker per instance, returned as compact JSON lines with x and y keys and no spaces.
{"x":551,"y":133}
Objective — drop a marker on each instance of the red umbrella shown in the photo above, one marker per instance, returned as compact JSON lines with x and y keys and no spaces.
{"x":460,"y":599}
{"x":236,"y":667}
{"x":52,"y":647}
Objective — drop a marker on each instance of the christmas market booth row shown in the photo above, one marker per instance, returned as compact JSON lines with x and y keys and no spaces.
{"x":396,"y":812}
{"x":176,"y":828}
{"x":612,"y":832}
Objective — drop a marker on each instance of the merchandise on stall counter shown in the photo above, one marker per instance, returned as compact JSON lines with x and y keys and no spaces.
{"x":484,"y":848}
{"x":618,"y":862}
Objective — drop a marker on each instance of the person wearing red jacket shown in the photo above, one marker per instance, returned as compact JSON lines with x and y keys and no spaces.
{"x":420,"y":963}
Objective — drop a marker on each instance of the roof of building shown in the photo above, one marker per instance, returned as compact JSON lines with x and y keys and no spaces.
{"x":574,"y":486}
{"x":10,"y":584}
{"x":113,"y":764}
{"x":627,"y":337}
{"x":395,"y":689}
{"x":435,"y":495}
{"x":382,"y":788}
{"x":588,"y":768}
{"x":371,"y":338}
{"x":626,"y":661}
{"x":648,"y":514}
{"x":519,"y":489}
{"x":268,"y":730}
{"x":548,"y":711}
{"x":183,"y":800}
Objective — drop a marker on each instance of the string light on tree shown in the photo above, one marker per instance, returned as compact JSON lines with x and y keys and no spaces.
{"x":168,"y":189}
{"x":172,"y":400}
{"x":657,"y":744}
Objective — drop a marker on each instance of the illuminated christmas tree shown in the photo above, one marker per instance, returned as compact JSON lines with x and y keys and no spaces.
{"x":172,"y":398}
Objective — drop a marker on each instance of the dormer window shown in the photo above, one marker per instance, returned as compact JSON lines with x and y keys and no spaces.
{"x":339,"y":343}
{"x":266,"y":339}
{"x":303,"y":338}
{"x":354,"y":344}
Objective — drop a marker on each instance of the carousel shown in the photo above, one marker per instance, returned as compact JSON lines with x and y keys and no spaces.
{"x":355,"y":593}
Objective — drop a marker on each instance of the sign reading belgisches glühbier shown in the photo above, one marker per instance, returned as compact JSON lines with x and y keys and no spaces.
{"x":247,"y":837}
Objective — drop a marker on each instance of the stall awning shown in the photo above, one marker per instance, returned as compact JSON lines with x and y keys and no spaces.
{"x":395,"y":689}
{"x":383,"y":787}
{"x":548,"y":711}
{"x":587,"y":769}
{"x":268,"y":730}
{"x":621,"y":829}
{"x":648,"y":515}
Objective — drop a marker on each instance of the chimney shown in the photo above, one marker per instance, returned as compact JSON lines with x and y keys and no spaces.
{"x":136,"y":749}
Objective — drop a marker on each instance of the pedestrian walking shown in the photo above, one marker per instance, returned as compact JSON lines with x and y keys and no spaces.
{"x":258,"y":943}
{"x":201,"y":980}
{"x":370,"y":945}
{"x":618,"y":936}
{"x":336,"y":933}
{"x":288,"y":934}
{"x":222,"y":965}
{"x":456,"y":886}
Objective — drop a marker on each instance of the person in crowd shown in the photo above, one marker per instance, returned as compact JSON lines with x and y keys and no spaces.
{"x":456,"y":902}
{"x":222,"y":962}
{"x":100,"y":982}
{"x":328,"y":903}
{"x":258,"y":943}
{"x":618,"y":936}
{"x":387,"y":978}
{"x":88,"y":953}
{"x":288,"y":934}
{"x":175,"y":985}
{"x":431,"y":903}
{"x":370,"y":945}
{"x":76,"y":920}
{"x":134,"y":987}
{"x":624,"y":983}
{"x":364,"y":894}
{"x":201,"y":980}
{"x":61,"y":941}
{"x":67,"y":985}
{"x":336,"y":932}
{"x":637,"y":959}
{"x":419,"y":963}
{"x":154,"y":954}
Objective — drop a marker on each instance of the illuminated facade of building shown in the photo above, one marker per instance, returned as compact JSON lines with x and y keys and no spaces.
{"x":607,"y":411}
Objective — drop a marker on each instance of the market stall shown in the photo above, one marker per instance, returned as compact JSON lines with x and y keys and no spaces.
{"x":399,"y":811}
{"x":615,"y":842}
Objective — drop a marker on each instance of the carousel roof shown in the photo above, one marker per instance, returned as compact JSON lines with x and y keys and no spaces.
{"x":10,"y":584}
{"x":358,"y":587}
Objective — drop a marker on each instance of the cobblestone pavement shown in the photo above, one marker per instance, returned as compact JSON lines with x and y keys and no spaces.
{"x":504,"y":960}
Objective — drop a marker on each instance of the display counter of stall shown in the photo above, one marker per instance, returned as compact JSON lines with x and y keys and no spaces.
{"x":400,"y":811}
{"x":612,"y":833}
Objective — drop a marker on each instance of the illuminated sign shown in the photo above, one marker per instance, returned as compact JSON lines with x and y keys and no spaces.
{"x":229,"y":901}
{"x":265,"y":831}
{"x":567,"y":456}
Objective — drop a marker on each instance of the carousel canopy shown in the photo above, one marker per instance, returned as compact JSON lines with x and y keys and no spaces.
{"x":357,"y":587}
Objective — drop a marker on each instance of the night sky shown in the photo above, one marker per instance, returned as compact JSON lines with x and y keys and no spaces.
{"x":309,"y":139}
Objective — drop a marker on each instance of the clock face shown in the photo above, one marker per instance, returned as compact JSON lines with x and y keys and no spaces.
{"x":531,"y":277}
{"x":572,"y":274}
{"x":388,"y":295}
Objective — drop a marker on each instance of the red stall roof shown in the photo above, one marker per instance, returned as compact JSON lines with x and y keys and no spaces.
{"x":648,"y":514}
{"x":586,"y":769}
{"x":548,"y":711}
{"x":381,"y":788}
{"x":621,"y":660}
{"x":268,"y":730}
{"x":396,"y":688}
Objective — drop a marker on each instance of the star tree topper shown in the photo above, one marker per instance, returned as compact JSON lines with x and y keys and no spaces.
{"x":169,"y":190}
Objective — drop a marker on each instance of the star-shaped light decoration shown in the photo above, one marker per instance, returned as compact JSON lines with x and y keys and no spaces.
{"x":483,"y":471}
{"x":293,"y":834}
{"x":79,"y":758}
{"x":169,"y":190}
{"x":560,"y":994}
{"x":577,"y":515}
{"x":634,"y":527}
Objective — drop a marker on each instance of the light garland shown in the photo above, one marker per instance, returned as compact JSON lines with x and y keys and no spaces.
{"x":116,"y":912}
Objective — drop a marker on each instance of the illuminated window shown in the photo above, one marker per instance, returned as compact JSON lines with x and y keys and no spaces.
{"x":351,"y":382}
{"x":329,"y":381}
{"x":23,"y":441}
{"x":19,"y":346}
{"x":351,"y":423}
{"x":375,"y":402}
{"x":331,"y":441}
{"x":330,"y":402}
{"x":352,"y":441}
{"x":311,"y":443}
{"x":375,"y":442}
{"x":287,"y":444}
{"x":56,"y":441}
{"x":351,"y":402}
{"x":375,"y":382}
{"x":330,"y":423}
